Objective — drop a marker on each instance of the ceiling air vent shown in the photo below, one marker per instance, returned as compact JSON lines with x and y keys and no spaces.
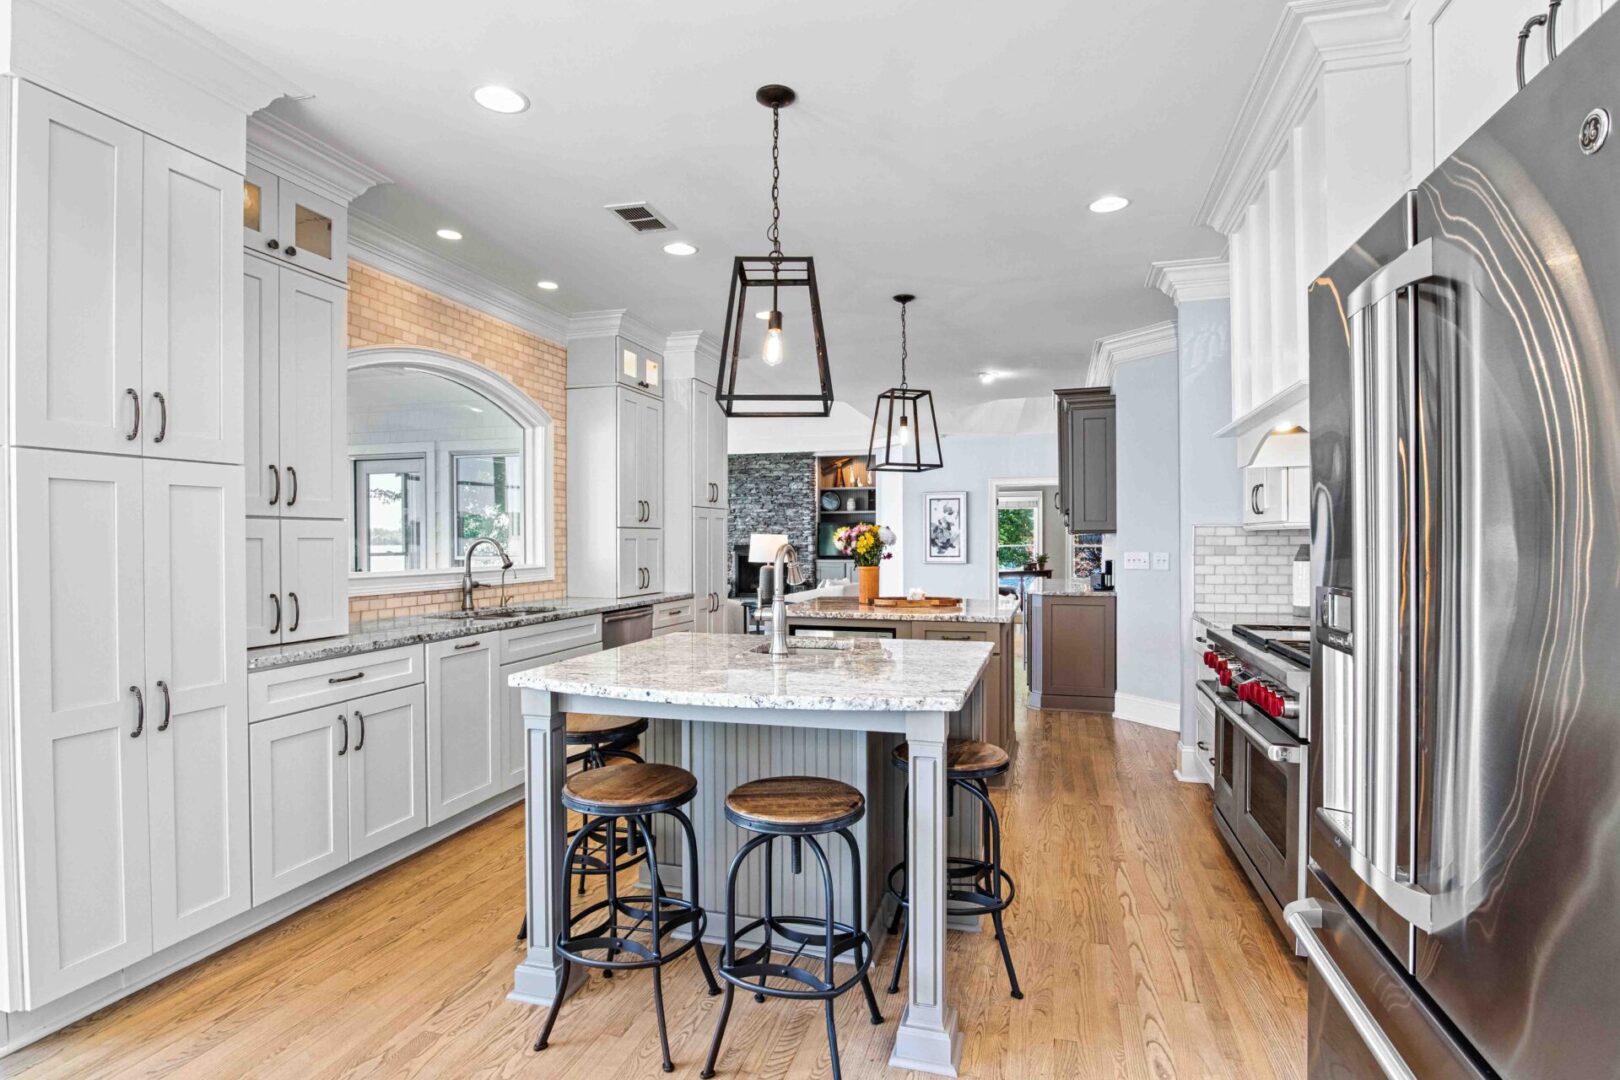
{"x":640,"y":217}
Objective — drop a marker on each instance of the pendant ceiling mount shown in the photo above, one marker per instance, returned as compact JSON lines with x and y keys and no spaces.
{"x":911,"y":430}
{"x":775,"y":381}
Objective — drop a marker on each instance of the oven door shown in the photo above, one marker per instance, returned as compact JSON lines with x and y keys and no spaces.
{"x":1259,"y":791}
{"x":1227,"y":760}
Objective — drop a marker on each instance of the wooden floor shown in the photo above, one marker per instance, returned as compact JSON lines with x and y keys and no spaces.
{"x":1141,"y":949}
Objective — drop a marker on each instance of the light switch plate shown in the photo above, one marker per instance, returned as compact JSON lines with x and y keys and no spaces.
{"x":1136,"y":560}
{"x":1161,"y":560}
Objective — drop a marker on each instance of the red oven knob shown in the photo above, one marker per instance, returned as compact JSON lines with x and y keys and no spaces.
{"x":1274,"y":703}
{"x":1226,"y":675}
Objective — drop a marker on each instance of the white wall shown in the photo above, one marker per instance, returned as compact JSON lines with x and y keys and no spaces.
{"x":971,"y":463}
{"x":1148,"y":609}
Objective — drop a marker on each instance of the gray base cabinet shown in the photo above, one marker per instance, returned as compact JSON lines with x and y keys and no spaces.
{"x":1071,"y":648}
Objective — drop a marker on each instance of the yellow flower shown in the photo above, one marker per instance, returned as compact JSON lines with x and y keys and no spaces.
{"x":864,"y":544}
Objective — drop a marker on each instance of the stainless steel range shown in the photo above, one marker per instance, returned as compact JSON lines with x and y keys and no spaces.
{"x":1258,"y":678}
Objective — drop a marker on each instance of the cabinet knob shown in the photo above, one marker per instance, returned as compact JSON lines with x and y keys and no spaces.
{"x":291,"y":251}
{"x":272,"y":244}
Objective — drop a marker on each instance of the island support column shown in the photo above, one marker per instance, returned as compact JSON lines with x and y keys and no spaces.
{"x":928,"y":1039}
{"x":536,"y":980}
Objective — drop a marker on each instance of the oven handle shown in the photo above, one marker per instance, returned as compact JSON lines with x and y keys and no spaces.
{"x":1304,"y":918}
{"x":1274,"y":751}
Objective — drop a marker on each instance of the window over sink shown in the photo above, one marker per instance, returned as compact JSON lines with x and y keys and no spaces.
{"x":443,"y":452}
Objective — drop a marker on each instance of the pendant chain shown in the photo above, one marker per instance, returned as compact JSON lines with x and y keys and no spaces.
{"x":903,"y":350}
{"x":774,"y":233}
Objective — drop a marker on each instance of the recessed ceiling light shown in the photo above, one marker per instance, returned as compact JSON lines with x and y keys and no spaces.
{"x":448,"y":234}
{"x":501,"y":99}
{"x":680,"y":247}
{"x":1109,"y":203}
{"x":547,"y":285}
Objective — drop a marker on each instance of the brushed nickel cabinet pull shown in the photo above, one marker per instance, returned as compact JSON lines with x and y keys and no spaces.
{"x":168,"y":705}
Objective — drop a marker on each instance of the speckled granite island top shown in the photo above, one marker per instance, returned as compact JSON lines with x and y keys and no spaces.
{"x":421,"y":629}
{"x":728,"y":671}
{"x":979,"y":611}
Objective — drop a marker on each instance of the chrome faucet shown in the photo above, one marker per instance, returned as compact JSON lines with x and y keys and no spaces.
{"x":467,"y":568}
{"x":787,"y":561}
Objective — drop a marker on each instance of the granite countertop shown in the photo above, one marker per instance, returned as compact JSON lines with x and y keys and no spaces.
{"x":1224,"y":620}
{"x":421,"y":629}
{"x":978,"y":611}
{"x":1066,"y":587}
{"x":827,"y":674}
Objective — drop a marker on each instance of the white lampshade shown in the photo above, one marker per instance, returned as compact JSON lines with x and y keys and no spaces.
{"x":762,"y":547}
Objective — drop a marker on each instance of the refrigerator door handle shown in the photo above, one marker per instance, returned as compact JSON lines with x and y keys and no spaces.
{"x":1304,"y":918}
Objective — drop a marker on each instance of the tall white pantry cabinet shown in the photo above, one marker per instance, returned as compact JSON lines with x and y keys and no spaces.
{"x":125,"y":540}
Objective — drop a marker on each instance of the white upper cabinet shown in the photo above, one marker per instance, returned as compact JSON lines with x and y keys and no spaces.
{"x":600,"y":357}
{"x":708,"y":435}
{"x":191,"y":355}
{"x":294,"y":225}
{"x":640,"y":460}
{"x":261,"y":377}
{"x":312,"y":420}
{"x":314,"y":579}
{"x":76,"y":368}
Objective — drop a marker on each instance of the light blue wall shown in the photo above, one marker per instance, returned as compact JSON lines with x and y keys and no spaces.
{"x":1146,"y":447}
{"x":971,"y":462}
{"x":1211,"y":485}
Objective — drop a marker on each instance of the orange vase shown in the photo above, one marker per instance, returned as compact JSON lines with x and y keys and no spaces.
{"x":869,"y":583}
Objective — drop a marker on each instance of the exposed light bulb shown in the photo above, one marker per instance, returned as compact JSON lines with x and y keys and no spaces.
{"x":773,"y":339}
{"x":904,"y":437}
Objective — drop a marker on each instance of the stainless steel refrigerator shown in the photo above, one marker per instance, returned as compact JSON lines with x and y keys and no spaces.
{"x":1463,"y":903}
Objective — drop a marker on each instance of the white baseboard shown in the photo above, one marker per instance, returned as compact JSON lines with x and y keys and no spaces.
{"x":1165,"y":715}
{"x":1191,"y":768}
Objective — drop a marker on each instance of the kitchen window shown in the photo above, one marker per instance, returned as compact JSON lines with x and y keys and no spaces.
{"x":488,"y":500}
{"x":389,"y":501}
{"x":1018,"y":531}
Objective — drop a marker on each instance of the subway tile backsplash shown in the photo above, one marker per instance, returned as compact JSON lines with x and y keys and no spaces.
{"x":1235,"y":570}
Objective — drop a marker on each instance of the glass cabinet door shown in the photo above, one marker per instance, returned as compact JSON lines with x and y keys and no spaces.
{"x":312,"y":231}
{"x":258,"y":209}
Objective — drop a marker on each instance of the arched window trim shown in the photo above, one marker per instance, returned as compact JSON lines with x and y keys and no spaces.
{"x":539,"y":562}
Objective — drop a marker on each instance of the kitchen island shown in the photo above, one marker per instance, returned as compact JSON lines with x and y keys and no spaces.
{"x":731,"y":713}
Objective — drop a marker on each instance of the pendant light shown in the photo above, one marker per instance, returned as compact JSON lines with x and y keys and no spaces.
{"x":911,"y":428}
{"x":773,"y":381}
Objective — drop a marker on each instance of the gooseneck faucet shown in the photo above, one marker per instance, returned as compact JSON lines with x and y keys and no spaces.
{"x":787,"y":561}
{"x":467,"y":568}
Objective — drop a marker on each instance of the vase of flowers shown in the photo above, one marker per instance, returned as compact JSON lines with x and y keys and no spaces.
{"x":867,"y":544}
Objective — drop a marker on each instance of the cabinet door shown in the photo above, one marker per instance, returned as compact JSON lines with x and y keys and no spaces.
{"x":387,"y":769}
{"x":80,"y":666}
{"x":76,"y":277}
{"x":314,"y":391}
{"x":1265,"y":497}
{"x":650,"y":462}
{"x":196,"y":695}
{"x":701,"y":430}
{"x":627,"y":469}
{"x":652,"y":560}
{"x":299,"y":785}
{"x":259,"y":218}
{"x":632,"y":576}
{"x":313,"y":231}
{"x":1091,"y":500}
{"x":262,"y":575}
{"x":719,"y":468}
{"x":261,"y":379}
{"x":191,"y":296}
{"x":314,"y":579}
{"x":1078,"y":648}
{"x":463,"y":724}
{"x":708,"y":568}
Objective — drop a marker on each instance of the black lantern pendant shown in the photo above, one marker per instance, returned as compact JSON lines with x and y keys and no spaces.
{"x":759,"y":376}
{"x":912,"y":431}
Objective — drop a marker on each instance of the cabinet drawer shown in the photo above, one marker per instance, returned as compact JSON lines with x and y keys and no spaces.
{"x":528,"y":642}
{"x":669,"y":614}
{"x":959,"y":634}
{"x":326,"y":682}
{"x":675,"y":628}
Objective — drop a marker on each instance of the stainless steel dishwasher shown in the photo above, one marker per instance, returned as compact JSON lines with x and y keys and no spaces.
{"x":623,"y":627}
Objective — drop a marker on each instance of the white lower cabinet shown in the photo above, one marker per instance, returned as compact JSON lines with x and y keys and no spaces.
{"x":131,"y":706}
{"x":334,"y":783}
{"x":463,"y":724}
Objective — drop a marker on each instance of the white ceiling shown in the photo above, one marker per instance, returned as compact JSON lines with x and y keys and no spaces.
{"x":939,"y":147}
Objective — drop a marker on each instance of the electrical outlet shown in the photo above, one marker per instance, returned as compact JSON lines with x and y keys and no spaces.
{"x":1136,"y":560}
{"x":1161,"y":560}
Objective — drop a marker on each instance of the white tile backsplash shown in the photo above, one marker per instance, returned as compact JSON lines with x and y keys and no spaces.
{"x":1238,"y":570}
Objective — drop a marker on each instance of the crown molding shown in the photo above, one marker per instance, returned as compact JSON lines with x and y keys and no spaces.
{"x":616,"y":322}
{"x":289,"y":151}
{"x":1313,"y":37}
{"x":378,"y":245}
{"x":1185,"y":280}
{"x":692,"y":354}
{"x":1108,"y":353}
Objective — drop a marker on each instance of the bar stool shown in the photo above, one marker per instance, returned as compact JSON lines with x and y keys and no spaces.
{"x":605,"y":739}
{"x":630,"y":793}
{"x":799,"y":808}
{"x":975,"y":885}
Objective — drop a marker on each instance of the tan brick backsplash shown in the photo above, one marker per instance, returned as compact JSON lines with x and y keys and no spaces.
{"x":385,"y":310}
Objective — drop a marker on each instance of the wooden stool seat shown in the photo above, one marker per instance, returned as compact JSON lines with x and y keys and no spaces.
{"x":965,"y":759}
{"x":629,"y":790}
{"x":784,"y":805}
{"x":590,"y":728}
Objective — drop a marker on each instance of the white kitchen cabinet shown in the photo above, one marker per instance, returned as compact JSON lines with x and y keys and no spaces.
{"x":196,"y":697}
{"x":76,"y":280}
{"x":191,"y":295}
{"x":708,"y":441}
{"x":259,"y":219}
{"x":640,"y":562}
{"x":639,"y":459}
{"x":387,"y":769}
{"x":312,"y":417}
{"x":1276,"y":498}
{"x":314,"y":579}
{"x":709,"y":569}
{"x":80,"y":685}
{"x":261,"y":574}
{"x":464,"y":737}
{"x":294,"y":225}
{"x":600,"y":357}
{"x":300,"y":797}
{"x":261,"y":377}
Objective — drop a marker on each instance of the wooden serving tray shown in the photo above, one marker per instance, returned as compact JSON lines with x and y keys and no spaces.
{"x":926,"y":602}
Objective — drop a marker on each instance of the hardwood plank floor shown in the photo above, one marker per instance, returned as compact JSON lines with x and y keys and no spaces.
{"x":1141,"y":950}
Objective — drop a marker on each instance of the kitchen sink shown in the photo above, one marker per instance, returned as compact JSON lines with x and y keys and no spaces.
{"x":809,"y":645}
{"x":510,"y":611}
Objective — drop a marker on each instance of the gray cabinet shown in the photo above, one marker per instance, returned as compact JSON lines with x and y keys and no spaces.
{"x":1072,"y":652}
{"x":1086,"y":466}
